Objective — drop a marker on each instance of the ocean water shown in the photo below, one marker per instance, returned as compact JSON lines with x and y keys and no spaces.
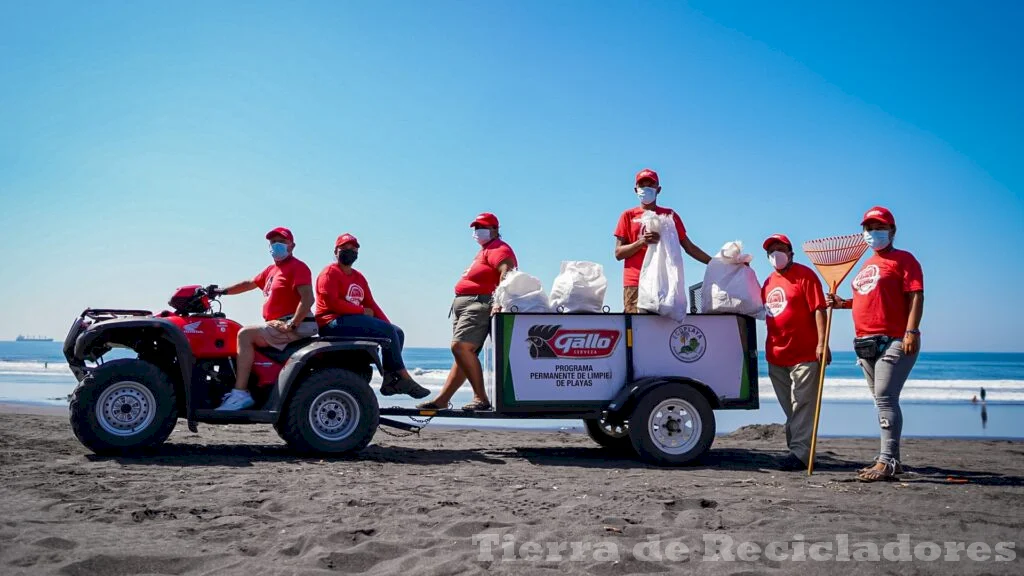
{"x":936,"y":400}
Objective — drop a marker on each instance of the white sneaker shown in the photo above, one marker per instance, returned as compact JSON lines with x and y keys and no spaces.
{"x":236,"y":400}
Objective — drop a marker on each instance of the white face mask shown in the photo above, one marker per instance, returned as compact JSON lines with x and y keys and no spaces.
{"x":481,"y":235}
{"x":779,"y":260}
{"x":876,"y":239}
{"x":647,"y":195}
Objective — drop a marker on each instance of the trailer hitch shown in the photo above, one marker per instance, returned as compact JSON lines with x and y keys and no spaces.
{"x":410,"y":428}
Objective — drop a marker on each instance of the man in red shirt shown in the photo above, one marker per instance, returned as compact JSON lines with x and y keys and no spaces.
{"x":795,"y":313}
{"x":888,"y":304}
{"x":345,"y":307}
{"x":631,"y":242}
{"x":287,"y":285}
{"x":472,"y":312}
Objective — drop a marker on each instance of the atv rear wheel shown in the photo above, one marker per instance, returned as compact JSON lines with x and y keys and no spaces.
{"x":612,"y":436}
{"x":123,"y":406}
{"x":333,"y":411}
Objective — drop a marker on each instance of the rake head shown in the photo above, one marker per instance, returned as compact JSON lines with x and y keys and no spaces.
{"x":835,"y":256}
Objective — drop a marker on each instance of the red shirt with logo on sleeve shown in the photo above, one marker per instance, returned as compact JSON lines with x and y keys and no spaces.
{"x":628,"y":230}
{"x":790,"y":299}
{"x":880,"y":290}
{"x":280,"y":283}
{"x":482,"y":277}
{"x":339,"y":294}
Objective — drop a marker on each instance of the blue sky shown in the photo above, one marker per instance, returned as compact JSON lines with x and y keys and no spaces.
{"x":149,"y":145}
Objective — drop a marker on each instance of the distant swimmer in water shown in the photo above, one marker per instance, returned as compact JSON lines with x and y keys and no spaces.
{"x":974,"y":399}
{"x":46,"y":365}
{"x":982,"y":393}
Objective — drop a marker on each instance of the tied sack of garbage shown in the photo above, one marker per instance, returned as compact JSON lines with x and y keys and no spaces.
{"x":730,"y":286}
{"x":520,"y":292}
{"x":579,"y":287}
{"x":662,"y":288}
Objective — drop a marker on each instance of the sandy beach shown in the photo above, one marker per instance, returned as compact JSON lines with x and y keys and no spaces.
{"x":232,"y":500}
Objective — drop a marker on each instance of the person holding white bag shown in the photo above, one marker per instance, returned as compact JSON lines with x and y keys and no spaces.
{"x":631,"y":239}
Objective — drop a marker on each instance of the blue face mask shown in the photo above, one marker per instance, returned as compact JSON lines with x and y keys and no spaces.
{"x":278,"y":251}
{"x":876,"y":239}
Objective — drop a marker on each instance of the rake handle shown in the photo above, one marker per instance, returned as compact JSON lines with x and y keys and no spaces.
{"x":821,"y":383}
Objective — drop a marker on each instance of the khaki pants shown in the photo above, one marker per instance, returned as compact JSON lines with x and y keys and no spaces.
{"x":796,"y":387}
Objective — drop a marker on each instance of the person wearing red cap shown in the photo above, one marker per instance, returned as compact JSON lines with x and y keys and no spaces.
{"x":888,"y":304}
{"x":795,"y":313}
{"x":472,"y":313}
{"x":287,"y":286}
{"x":345,"y":307}
{"x":631,"y":242}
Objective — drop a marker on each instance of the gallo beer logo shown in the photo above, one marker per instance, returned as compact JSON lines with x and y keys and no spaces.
{"x":547,"y":341}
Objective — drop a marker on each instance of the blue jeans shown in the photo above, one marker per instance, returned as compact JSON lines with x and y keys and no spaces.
{"x":360,"y":326}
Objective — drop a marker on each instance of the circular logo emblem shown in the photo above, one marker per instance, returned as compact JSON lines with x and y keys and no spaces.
{"x":775,"y":302}
{"x":687,"y":343}
{"x":866,"y":279}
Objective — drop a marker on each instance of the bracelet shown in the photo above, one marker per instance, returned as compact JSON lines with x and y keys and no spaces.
{"x":915,"y":332}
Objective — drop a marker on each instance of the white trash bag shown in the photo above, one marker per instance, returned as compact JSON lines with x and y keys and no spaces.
{"x":520,"y":292}
{"x":730,"y":286}
{"x":579,"y":287}
{"x":662,"y":287}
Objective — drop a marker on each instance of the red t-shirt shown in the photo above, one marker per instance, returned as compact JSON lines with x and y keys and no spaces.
{"x":628,"y":230}
{"x":339,"y":294}
{"x":879,"y":293}
{"x":280,"y":283}
{"x":790,"y":299}
{"x":482,"y":276}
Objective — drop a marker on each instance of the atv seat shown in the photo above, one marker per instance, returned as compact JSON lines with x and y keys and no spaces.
{"x":282,"y":356}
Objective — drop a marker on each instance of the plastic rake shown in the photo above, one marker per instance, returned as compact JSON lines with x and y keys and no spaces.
{"x":834,"y":257}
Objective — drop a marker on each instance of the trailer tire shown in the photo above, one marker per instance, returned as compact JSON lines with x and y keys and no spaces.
{"x":333,"y":411}
{"x":615,"y":438}
{"x":672,"y":424}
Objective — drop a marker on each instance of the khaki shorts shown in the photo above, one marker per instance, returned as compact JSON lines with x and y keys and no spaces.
{"x":630,"y":294}
{"x":471,"y":319}
{"x":279,"y":338}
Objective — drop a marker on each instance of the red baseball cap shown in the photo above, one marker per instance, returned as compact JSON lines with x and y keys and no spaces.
{"x":283,"y":232}
{"x":346,"y":238}
{"x":879,"y":214}
{"x":485,"y":220}
{"x":777,"y":238}
{"x":647,"y":174}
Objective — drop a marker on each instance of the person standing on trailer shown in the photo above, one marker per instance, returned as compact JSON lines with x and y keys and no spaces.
{"x":472,"y":313}
{"x":631,"y":242}
{"x":287,"y":285}
{"x":888,"y":303}
{"x":345,"y":307}
{"x":795,"y":315}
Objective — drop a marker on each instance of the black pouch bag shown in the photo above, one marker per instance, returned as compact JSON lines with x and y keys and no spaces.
{"x":870,"y":347}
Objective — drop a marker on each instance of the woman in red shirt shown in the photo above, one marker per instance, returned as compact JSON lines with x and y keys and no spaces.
{"x":888,"y":302}
{"x":345,"y":307}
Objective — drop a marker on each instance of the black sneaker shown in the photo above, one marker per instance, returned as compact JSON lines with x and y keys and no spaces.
{"x":791,"y":463}
{"x":397,"y":385}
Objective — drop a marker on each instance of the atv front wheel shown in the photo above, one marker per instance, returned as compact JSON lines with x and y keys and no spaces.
{"x":124,"y":406}
{"x":333,"y":411}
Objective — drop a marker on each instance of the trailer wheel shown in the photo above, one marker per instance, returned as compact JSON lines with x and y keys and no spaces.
{"x":611,"y":436}
{"x":333,"y":411}
{"x":672,"y":424}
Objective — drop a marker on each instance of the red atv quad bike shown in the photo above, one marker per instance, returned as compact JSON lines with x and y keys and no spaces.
{"x":315,"y":392}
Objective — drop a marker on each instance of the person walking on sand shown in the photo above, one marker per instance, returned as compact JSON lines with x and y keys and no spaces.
{"x":346,"y":307}
{"x":795,"y":315}
{"x":888,"y":303}
{"x":631,"y":242}
{"x":472,"y":310}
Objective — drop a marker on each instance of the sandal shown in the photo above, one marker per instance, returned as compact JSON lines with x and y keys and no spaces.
{"x":899,"y":467}
{"x":886,"y":474}
{"x":476,"y":405}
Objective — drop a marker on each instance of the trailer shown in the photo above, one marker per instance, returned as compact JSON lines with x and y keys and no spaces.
{"x":642,"y":384}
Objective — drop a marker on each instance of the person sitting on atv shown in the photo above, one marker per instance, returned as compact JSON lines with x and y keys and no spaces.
{"x":345,"y":307}
{"x":287,"y":285}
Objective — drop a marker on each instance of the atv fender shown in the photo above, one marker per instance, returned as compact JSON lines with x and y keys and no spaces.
{"x":354,"y":351}
{"x":129,"y":332}
{"x":623,"y":403}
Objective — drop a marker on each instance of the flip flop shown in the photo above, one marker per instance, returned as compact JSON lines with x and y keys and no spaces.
{"x":477,"y":405}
